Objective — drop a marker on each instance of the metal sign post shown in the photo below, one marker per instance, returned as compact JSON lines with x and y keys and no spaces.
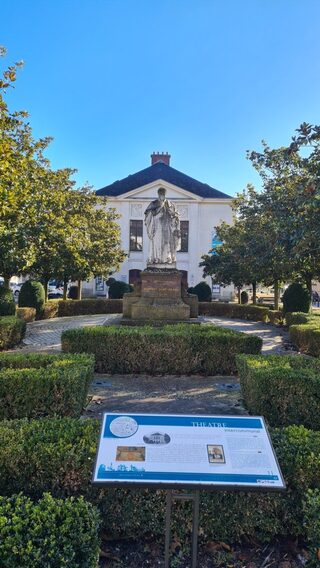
{"x":195,"y":497}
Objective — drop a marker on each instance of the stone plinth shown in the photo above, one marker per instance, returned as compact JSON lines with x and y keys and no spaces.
{"x":157,"y":298}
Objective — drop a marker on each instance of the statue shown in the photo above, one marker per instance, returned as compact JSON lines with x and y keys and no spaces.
{"x":163,"y":228}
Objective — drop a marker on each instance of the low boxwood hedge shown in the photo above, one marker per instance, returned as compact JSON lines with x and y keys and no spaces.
{"x":57,"y":455}
{"x":250,"y":313}
{"x":284,"y":389}
{"x":12,"y":331}
{"x":50,"y":533}
{"x":26,"y":314}
{"x":172,"y":349}
{"x":312,"y":524}
{"x":35,"y":385}
{"x":306,"y":337}
{"x":63,"y":308}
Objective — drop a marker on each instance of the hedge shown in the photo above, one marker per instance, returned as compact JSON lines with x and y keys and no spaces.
{"x":57,"y":455}
{"x":35,"y":385}
{"x":12,"y":331}
{"x":306,"y":338}
{"x":173,"y":349}
{"x":250,"y":313}
{"x":26,"y":314}
{"x":62,"y":308}
{"x":51,"y":533}
{"x":284,"y":389}
{"x":312,"y":524}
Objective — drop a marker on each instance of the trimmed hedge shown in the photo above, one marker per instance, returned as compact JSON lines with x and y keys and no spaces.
{"x":36,"y":385}
{"x":296,"y":298}
{"x":250,"y":313}
{"x":172,"y":349}
{"x":63,"y":308}
{"x":58,"y":455}
{"x":32,"y":295}
{"x":26,"y":314}
{"x":12,"y":331}
{"x":7,"y":303}
{"x":50,"y":533}
{"x":312,"y":524}
{"x":284,"y":389}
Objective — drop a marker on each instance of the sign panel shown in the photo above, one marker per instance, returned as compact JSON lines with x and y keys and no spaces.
{"x":186,"y":451}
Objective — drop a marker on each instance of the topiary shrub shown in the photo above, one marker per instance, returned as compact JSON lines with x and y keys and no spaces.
{"x":7,"y":303}
{"x":118,"y":288}
{"x":73,"y":292}
{"x":12,"y":330}
{"x":32,"y":295}
{"x":49,"y":533}
{"x":203,"y":291}
{"x":244,"y":297}
{"x":26,"y":314}
{"x":296,"y":299}
{"x":311,"y":507}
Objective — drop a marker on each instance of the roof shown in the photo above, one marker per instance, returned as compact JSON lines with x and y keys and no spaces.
{"x":157,"y":171}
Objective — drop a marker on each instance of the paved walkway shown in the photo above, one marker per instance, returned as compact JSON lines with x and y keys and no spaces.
{"x":46,"y":335}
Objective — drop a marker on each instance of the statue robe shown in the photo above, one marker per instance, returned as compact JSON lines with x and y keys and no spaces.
{"x":163,"y":228}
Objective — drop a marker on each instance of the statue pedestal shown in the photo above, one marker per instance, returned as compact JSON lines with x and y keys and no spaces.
{"x":158,"y":298}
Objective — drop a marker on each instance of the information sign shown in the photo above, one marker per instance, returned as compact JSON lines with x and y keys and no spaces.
{"x":187,"y":451}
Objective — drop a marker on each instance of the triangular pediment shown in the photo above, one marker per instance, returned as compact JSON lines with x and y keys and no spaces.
{"x":150,"y":191}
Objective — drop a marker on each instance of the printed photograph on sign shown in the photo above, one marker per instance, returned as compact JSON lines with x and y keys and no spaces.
{"x":131,"y":453}
{"x":215,"y":454}
{"x":157,"y":438}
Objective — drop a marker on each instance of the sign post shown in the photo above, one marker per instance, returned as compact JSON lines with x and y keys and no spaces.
{"x":180,"y":452}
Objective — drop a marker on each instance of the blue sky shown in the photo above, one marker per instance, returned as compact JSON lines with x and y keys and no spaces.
{"x":114,"y":80}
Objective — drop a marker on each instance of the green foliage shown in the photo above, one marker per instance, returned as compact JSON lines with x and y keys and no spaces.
{"x":293,"y":318}
{"x":32,"y":296}
{"x":51,"y":533}
{"x":58,"y":455}
{"x":84,"y":307}
{"x":306,"y":337}
{"x":12,"y":331}
{"x":26,"y":314}
{"x":7,"y":303}
{"x":175,"y":349}
{"x":244,"y":297}
{"x":33,"y":385}
{"x":73,"y":292}
{"x":284,"y":389}
{"x":117,"y":288}
{"x":251,"y":313}
{"x":296,"y":298}
{"x":203,"y":291}
{"x":312,"y":524}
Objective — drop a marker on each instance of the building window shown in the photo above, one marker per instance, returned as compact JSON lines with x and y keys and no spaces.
{"x":136,"y":229}
{"x":184,"y":229}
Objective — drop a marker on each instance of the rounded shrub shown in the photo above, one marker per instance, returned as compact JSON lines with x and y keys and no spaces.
{"x":244,"y":297}
{"x":7,"y":303}
{"x":73,"y":292}
{"x":296,"y":299}
{"x":32,"y":296}
{"x":118,"y":288}
{"x":203,"y":291}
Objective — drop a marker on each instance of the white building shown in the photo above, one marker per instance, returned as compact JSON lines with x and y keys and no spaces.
{"x":201,"y":209}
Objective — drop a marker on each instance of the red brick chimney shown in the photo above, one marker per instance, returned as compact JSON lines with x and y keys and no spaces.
{"x":160,"y":157}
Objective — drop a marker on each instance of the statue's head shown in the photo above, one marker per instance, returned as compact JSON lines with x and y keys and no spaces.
{"x":161,"y":193}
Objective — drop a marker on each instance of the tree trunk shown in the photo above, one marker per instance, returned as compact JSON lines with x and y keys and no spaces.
{"x":79,"y":289}
{"x":239,"y":294}
{"x":6,"y":281}
{"x":65,"y":288}
{"x":254,"y":293}
{"x":276,"y":294}
{"x":45,"y":285}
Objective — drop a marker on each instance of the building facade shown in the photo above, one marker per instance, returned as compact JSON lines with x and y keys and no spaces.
{"x":201,"y":209}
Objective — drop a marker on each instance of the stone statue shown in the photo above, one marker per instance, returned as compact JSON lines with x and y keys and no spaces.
{"x":163,"y":228}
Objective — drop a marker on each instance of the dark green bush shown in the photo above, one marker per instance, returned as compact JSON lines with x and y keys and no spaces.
{"x":312,"y":524}
{"x":51,"y":533}
{"x":32,"y":296}
{"x":293,"y":318}
{"x":12,"y":331}
{"x":244,"y":297}
{"x":202,"y":290}
{"x":221,"y":309}
{"x":7,"y":303}
{"x":35,"y":385}
{"x":117,"y":288}
{"x":296,"y":298}
{"x":306,"y":338}
{"x":175,"y":349}
{"x":84,"y":307}
{"x":26,"y":314}
{"x":284,"y":389}
{"x":73,"y":293}
{"x":58,"y":455}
